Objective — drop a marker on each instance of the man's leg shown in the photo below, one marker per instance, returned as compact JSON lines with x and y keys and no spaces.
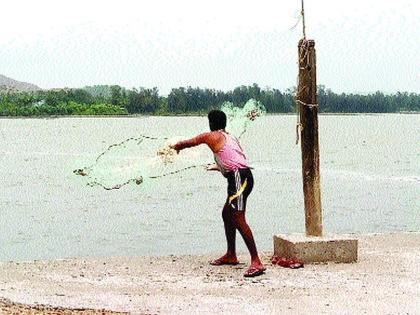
{"x":246,"y":233}
{"x":230,"y":231}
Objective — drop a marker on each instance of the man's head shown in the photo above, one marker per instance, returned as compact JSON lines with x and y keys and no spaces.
{"x":217,"y":120}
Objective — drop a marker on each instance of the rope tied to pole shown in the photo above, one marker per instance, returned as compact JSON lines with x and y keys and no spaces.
{"x":304,"y":52}
{"x":305,"y":104}
{"x":304,"y":64}
{"x":303,"y":20}
{"x":303,"y":48}
{"x":299,"y":125}
{"x":303,"y":58}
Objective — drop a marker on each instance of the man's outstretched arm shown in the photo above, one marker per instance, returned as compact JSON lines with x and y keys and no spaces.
{"x":200,"y":139}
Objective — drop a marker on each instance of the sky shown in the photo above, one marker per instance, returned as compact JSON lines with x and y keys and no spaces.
{"x":362,"y":46}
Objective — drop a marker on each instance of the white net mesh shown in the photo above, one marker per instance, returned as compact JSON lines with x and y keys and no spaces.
{"x":238,"y":119}
{"x":137,"y":160}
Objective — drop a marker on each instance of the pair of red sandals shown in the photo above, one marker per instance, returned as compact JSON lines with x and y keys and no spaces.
{"x":287,"y":263}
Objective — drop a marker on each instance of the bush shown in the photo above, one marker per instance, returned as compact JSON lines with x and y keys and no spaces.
{"x":104,"y":109}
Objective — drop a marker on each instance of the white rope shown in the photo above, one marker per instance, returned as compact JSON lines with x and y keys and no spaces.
{"x":305,"y":104}
{"x":303,"y":20}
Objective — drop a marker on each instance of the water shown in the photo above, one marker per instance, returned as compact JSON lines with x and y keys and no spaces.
{"x":370,"y":182}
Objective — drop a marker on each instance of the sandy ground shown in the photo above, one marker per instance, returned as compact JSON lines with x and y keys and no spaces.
{"x":386,"y":280}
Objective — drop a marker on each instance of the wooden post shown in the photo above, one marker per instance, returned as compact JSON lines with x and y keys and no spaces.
{"x":307,"y":100}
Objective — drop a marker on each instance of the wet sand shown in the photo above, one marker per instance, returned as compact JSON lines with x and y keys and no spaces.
{"x":386,"y":280}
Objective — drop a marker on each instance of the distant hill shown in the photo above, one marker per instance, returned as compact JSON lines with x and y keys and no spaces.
{"x":8,"y":84}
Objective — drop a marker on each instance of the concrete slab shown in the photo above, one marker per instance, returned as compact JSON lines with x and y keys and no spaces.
{"x":328,"y":248}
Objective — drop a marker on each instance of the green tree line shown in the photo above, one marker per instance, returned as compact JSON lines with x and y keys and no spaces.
{"x":116,"y":100}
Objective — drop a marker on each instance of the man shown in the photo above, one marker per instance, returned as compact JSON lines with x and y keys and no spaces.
{"x":232,"y":163}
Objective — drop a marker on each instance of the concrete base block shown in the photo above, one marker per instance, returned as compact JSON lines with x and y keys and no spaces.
{"x":329,"y":248}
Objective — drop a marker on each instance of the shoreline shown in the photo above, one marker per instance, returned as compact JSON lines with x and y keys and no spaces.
{"x":384,"y":280}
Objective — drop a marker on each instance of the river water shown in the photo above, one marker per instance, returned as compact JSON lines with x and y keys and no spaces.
{"x":370,"y":182}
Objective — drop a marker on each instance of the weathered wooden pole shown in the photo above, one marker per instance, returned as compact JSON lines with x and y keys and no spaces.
{"x":310,"y":249}
{"x":307,"y":100}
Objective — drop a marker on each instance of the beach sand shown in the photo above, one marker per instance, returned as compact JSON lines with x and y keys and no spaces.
{"x":385,"y":280}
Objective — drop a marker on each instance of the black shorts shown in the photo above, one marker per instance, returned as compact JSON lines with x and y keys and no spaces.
{"x":240,"y":183}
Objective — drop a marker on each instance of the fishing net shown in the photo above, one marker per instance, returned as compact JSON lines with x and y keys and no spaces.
{"x":138,"y":160}
{"x":141,"y":159}
{"x":238,"y":119}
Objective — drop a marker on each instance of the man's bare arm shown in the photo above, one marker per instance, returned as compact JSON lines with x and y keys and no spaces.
{"x":200,"y":139}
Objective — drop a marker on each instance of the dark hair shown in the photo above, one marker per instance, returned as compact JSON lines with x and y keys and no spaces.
{"x":217,"y":119}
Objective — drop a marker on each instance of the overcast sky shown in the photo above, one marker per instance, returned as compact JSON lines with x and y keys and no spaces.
{"x":362,"y":45}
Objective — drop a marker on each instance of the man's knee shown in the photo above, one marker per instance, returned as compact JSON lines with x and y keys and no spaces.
{"x":227,"y":213}
{"x":238,"y":217}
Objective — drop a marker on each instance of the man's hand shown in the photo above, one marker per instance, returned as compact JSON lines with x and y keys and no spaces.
{"x":213,"y":167}
{"x":174,"y":147}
